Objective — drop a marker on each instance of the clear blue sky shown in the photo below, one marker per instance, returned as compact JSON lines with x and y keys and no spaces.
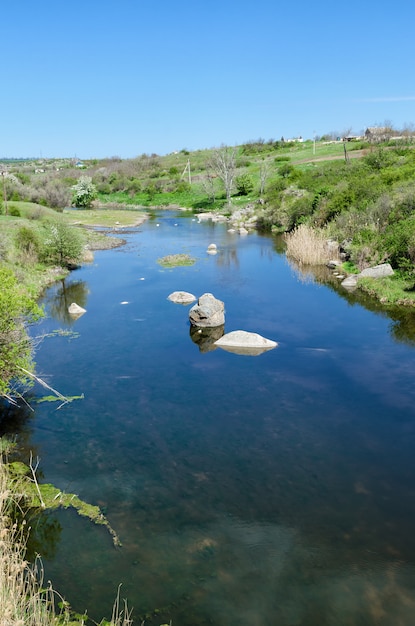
{"x":96,"y":79}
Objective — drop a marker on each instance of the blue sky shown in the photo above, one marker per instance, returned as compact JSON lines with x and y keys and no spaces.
{"x":100,"y":79}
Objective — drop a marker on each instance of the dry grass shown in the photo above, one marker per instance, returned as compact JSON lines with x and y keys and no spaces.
{"x":24,"y":599}
{"x":310,"y":246}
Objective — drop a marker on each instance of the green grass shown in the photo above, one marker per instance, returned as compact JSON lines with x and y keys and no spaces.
{"x":110,"y":218}
{"x":391,"y":291}
{"x":176,"y":260}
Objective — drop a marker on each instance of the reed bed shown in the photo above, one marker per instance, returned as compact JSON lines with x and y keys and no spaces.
{"x":310,"y":246}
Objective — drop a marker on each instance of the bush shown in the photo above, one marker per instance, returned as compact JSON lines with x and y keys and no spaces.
{"x":244,"y":185}
{"x":15,"y":347}
{"x":13,"y":210}
{"x":398,"y":242}
{"x":57,"y":195}
{"x":27,"y":240}
{"x":84,"y":192}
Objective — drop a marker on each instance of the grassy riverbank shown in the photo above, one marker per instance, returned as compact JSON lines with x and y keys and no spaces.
{"x":25,"y":597}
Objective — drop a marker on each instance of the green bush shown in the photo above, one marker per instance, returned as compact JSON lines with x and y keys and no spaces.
{"x":13,"y":210}
{"x":15,"y":346}
{"x":398,"y":243}
{"x":27,"y":239}
{"x":244,"y":185}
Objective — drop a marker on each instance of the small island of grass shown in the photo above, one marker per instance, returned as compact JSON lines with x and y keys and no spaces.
{"x":176,"y":260}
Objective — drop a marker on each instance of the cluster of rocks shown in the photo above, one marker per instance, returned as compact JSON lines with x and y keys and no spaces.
{"x":241,"y":221}
{"x":207,"y":319}
{"x":351,"y":281}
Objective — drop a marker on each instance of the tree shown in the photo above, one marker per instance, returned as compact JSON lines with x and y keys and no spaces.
{"x":264,"y":170}
{"x":223,"y":163}
{"x":84,"y":192}
{"x":63,"y":244}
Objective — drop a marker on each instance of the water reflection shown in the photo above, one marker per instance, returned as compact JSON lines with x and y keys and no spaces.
{"x":205,"y":337}
{"x":61,"y":297}
{"x":402,"y":328}
{"x":227,"y":257}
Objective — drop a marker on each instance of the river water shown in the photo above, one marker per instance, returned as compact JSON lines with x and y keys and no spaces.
{"x":251,"y":490}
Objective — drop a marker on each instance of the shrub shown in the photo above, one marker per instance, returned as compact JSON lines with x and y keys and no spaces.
{"x":13,"y":210}
{"x":244,"y":185}
{"x":286,"y":170}
{"x":182,"y":187}
{"x":15,"y":347}
{"x":84,"y":192}
{"x":27,"y":239}
{"x":57,"y":195}
{"x":398,"y":242}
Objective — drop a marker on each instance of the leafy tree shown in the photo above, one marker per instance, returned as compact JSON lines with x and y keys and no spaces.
{"x":63,"y":244}
{"x":84,"y":192}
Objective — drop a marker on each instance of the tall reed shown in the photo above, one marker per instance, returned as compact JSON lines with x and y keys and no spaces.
{"x":310,"y":246}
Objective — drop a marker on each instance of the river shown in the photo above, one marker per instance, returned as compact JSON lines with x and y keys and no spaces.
{"x":251,"y":490}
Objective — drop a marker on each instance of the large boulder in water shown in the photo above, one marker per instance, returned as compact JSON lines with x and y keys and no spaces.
{"x":208,"y":312}
{"x":243,"y":342}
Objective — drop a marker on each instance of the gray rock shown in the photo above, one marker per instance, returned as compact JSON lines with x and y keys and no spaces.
{"x":379,"y":271}
{"x":350,"y":281}
{"x":181,"y":297}
{"x":208,"y":312}
{"x":243,"y":342}
{"x":333,"y":264}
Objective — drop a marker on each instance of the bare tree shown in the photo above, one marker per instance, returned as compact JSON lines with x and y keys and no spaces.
{"x":223,"y":163}
{"x":208,"y":183}
{"x":264,"y":170}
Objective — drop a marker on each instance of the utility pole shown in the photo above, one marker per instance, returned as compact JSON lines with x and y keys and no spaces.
{"x":187,"y":169}
{"x":3,"y":174}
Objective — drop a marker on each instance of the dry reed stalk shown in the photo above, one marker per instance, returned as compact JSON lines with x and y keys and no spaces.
{"x":309,"y":246}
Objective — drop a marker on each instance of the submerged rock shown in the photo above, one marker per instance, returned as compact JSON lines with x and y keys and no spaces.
{"x":243,"y":342}
{"x":208,"y":312}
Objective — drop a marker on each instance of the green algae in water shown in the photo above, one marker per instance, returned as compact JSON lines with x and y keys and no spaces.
{"x":48,"y":497}
{"x":59,"y":399}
